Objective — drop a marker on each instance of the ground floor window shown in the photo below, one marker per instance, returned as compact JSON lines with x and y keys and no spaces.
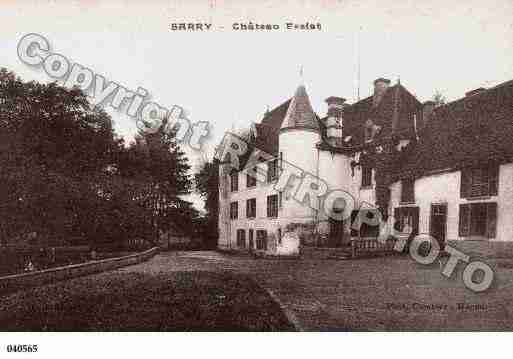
{"x":241,"y":238}
{"x":478,"y":220}
{"x":365,"y":230}
{"x":261,"y":240}
{"x":250,"y":239}
{"x":407,"y":219}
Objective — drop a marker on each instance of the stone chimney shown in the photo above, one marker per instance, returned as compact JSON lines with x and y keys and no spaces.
{"x":427,"y":112}
{"x":475,"y":92}
{"x":334,"y":122}
{"x":380,"y":87}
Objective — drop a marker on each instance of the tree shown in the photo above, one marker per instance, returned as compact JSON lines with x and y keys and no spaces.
{"x":157,"y":163}
{"x":53,"y":145}
{"x":207,"y":185}
{"x":438,"y":98}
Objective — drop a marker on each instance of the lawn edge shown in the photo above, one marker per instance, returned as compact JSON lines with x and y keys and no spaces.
{"x":291,"y":317}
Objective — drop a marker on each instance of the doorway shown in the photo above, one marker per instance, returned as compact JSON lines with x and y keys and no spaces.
{"x":438,"y":220}
{"x":250,"y":238}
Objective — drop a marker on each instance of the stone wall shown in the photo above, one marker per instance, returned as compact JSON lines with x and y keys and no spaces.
{"x":22,"y":281}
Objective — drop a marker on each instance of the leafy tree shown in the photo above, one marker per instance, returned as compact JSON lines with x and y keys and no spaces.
{"x":207,"y":185}
{"x":157,"y":163}
{"x":67,"y":177}
{"x":438,"y":98}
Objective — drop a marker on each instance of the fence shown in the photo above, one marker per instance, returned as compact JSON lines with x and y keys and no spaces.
{"x":363,"y":247}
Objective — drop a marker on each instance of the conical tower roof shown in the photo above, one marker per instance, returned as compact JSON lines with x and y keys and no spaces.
{"x":300,"y":113}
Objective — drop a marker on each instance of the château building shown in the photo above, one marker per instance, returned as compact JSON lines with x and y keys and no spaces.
{"x":441,"y":169}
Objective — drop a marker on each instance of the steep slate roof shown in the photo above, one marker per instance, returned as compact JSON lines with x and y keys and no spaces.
{"x":470,"y":131}
{"x":300,"y":113}
{"x":397,"y":106}
{"x":297,"y":112}
{"x":269,"y":127}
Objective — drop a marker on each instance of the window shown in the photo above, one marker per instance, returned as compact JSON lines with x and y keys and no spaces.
{"x":279,"y":235}
{"x":280,"y":200}
{"x":408,"y":190}
{"x":234,"y":210}
{"x":250,"y":239}
{"x":480,"y":181}
{"x":261,"y":239}
{"x":272,"y":205}
{"x":241,"y":238}
{"x":251,"y":208}
{"x":272,"y":170}
{"x":366,"y":176}
{"x":360,"y":220}
{"x":478,"y":219}
{"x":251,"y":178}
{"x":234,"y":181}
{"x":407,"y":219}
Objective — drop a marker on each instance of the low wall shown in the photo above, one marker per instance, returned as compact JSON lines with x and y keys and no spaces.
{"x":307,"y":252}
{"x":21,"y":281}
{"x":484,"y":249}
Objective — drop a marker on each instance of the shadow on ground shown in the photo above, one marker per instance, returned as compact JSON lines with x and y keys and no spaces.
{"x":130,"y":301}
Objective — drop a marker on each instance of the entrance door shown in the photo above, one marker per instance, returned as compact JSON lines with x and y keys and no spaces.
{"x":250,"y":238}
{"x":336,"y":235}
{"x":407,"y":220}
{"x":438,"y":222}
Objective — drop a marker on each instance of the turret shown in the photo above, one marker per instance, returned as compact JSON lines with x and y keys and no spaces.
{"x":299,"y":135}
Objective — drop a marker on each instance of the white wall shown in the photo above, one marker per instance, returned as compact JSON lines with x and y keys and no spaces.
{"x":228,"y":232}
{"x":298,"y":148}
{"x":445,"y":188}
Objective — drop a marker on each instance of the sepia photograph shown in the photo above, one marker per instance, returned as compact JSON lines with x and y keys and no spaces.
{"x":252,"y":166}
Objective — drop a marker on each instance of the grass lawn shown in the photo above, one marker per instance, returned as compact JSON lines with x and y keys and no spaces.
{"x":387,"y":293}
{"x":132,"y":301}
{"x":212,"y":291}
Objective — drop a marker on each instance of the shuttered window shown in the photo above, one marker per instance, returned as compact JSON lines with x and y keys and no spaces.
{"x":479,"y":181}
{"x":261,"y":240}
{"x":272,"y":170}
{"x":241,"y":238}
{"x":234,"y":181}
{"x":366,"y":176}
{"x":234,"y":210}
{"x":272,"y":205}
{"x":478,"y":219}
{"x":251,"y":208}
{"x":406,"y":219}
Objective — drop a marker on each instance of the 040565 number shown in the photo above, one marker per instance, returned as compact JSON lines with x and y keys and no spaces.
{"x":22,"y":348}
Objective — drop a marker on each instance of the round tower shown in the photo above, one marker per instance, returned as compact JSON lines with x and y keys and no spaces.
{"x":299,"y":134}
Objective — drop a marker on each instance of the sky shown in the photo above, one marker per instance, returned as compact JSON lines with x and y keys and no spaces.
{"x":229,"y":78}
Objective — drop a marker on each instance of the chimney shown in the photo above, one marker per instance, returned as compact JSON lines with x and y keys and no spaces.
{"x":334,"y":122}
{"x":427,"y":112}
{"x":475,"y":92}
{"x":380,"y":87}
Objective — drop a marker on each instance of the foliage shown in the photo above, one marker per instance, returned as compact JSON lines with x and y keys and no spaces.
{"x":207,"y":185}
{"x":438,"y":98}
{"x":67,"y":179}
